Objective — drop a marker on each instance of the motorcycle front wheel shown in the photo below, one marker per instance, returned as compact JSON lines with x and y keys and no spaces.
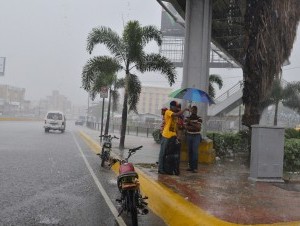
{"x":103,"y":157}
{"x":132,"y":205}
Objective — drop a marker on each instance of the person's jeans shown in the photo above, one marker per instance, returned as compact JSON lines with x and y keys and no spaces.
{"x":193,"y":146}
{"x":163,"y":146}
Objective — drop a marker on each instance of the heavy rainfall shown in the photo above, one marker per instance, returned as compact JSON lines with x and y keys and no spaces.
{"x":153,"y":112}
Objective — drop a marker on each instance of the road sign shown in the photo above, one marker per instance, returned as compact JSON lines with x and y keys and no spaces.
{"x":2,"y":65}
{"x":104,"y":92}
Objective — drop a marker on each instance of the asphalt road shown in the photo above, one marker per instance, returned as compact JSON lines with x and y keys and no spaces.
{"x":55,"y":179}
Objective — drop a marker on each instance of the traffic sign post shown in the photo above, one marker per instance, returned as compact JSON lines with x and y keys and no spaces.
{"x":104,"y":92}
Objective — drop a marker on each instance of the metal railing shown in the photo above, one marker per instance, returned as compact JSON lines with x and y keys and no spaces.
{"x":130,"y":130}
{"x":239,"y":85}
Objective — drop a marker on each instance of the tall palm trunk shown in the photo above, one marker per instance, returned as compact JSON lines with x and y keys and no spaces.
{"x":124,"y":121}
{"x":124,"y":111}
{"x":276,"y":113}
{"x":108,"y":113}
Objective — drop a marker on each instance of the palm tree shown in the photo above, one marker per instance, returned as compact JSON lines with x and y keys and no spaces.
{"x":289,"y":95}
{"x":128,"y":51}
{"x":214,"y":79}
{"x":96,"y":75}
{"x":270,"y":31}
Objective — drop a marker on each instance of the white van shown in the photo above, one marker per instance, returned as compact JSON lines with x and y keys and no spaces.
{"x":55,"y":120}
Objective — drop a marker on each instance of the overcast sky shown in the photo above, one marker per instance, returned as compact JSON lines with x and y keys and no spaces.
{"x":44,"y":43}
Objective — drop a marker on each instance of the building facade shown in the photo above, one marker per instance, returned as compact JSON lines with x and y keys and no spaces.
{"x":12,"y":100}
{"x":152,"y":99}
{"x":56,"y":101}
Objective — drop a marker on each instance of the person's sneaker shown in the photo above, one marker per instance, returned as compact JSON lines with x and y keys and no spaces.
{"x":195,"y":171}
{"x":161,"y":172}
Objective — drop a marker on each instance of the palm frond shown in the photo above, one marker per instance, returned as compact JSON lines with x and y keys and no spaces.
{"x":291,"y":89}
{"x":134,"y":89}
{"x":106,"y":36}
{"x":277,"y":90}
{"x":150,"y":33}
{"x":120,"y":83}
{"x":103,"y":64}
{"x":274,"y":95}
{"x":292,"y":96}
{"x":214,"y":79}
{"x":156,"y":62}
{"x":100,"y":65}
{"x":133,"y":40}
{"x":104,"y":79}
{"x":288,"y":95}
{"x":93,"y":92}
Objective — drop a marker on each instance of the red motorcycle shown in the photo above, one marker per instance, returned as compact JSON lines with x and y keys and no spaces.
{"x":131,"y":199}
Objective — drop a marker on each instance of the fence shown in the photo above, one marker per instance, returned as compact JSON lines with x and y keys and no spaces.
{"x":130,"y":130}
{"x":213,"y":124}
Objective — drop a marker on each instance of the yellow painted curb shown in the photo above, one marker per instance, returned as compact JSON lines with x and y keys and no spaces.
{"x":91,"y":143}
{"x":19,"y":119}
{"x":171,"y":207}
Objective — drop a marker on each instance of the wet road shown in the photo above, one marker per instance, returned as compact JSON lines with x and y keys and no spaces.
{"x":55,"y":179}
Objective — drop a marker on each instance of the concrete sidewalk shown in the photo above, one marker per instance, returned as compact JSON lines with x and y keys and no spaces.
{"x":219,"y":194}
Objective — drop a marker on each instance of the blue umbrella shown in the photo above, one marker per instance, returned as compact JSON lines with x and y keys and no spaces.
{"x":192,"y":95}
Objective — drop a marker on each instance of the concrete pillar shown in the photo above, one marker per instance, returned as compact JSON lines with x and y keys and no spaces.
{"x":198,"y":19}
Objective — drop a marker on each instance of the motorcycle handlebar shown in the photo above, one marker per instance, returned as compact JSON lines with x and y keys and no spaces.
{"x":130,"y":152}
{"x":104,"y":135}
{"x":135,"y":149}
{"x":109,"y":136}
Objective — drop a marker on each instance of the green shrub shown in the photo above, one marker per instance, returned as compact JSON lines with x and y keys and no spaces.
{"x":292,"y":133}
{"x":227,"y":143}
{"x":230,"y":143}
{"x":292,"y":155}
{"x":156,"y":135}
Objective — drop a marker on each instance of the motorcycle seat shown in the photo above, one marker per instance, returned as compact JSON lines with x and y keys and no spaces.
{"x":128,"y":174}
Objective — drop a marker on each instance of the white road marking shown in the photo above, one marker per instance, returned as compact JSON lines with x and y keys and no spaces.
{"x":100,"y":187}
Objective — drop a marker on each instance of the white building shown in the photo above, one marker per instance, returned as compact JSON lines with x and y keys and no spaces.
{"x":152,"y":99}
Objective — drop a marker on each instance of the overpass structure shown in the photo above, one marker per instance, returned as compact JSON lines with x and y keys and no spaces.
{"x":216,"y":23}
{"x":227,"y":25}
{"x":227,"y":19}
{"x":228,"y":101}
